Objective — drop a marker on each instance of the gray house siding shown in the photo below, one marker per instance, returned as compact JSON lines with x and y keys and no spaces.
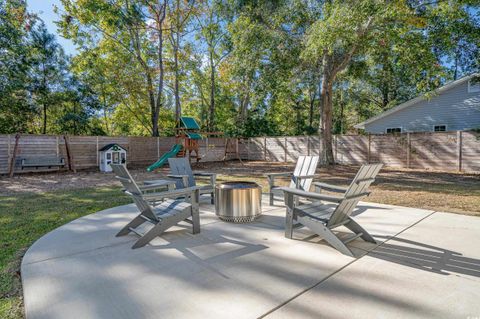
{"x":455,"y":108}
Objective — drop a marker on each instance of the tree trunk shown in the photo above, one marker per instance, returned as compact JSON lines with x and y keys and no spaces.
{"x":44,"y":118}
{"x":211,"y":121}
{"x":341,"y":115}
{"x":326,"y":117}
{"x":75,"y":122}
{"x":159,"y":97}
{"x":178,"y":110}
{"x":310,"y":113}
{"x":153,"y":114}
{"x":44,"y":88}
{"x":176,"y":48}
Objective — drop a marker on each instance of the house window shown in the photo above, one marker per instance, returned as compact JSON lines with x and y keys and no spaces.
{"x":439,"y":128}
{"x":473,"y":86}
{"x":392,"y":130}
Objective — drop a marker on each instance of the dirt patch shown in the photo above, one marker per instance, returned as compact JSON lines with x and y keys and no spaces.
{"x":454,"y":192}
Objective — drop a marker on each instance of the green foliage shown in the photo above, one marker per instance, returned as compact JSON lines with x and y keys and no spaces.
{"x":15,"y":109}
{"x":243,"y":67}
{"x":38,"y":94}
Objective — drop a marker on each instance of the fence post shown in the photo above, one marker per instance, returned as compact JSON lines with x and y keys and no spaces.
{"x":369,"y":150}
{"x":206,"y":147}
{"x":408,"y":149}
{"x":9,"y":149}
{"x":285,"y":148}
{"x":459,"y":150}
{"x":308,"y":145}
{"x":97,"y":152}
{"x":336,"y":146}
{"x":237,"y":150}
{"x":57,"y":152}
{"x":264,"y":148}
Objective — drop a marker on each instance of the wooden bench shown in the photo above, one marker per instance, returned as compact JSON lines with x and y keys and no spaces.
{"x":43,"y":161}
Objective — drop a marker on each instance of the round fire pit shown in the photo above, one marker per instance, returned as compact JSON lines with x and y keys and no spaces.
{"x":238,"y":202}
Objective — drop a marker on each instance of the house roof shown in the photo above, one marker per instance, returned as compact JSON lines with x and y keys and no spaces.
{"x":414,"y":101}
{"x":109,"y":146}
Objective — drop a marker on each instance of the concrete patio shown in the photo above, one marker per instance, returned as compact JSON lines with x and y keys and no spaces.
{"x":426,"y":265}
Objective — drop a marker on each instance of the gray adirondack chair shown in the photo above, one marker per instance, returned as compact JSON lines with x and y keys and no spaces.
{"x":168,"y":213}
{"x":301,"y":178}
{"x":181,"y":170}
{"x":322,"y":218}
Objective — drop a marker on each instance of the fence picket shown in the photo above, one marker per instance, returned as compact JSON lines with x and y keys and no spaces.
{"x":440,"y":150}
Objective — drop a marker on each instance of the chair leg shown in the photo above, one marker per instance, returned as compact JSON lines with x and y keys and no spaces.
{"x":357,"y":229}
{"x":195,"y":221}
{"x":212,"y":198}
{"x":137,"y":221}
{"x":156,"y":230}
{"x":289,"y":223}
{"x":271,"y":184}
{"x":326,"y":234}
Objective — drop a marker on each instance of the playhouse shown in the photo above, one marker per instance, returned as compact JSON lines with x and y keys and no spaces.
{"x":188,"y":136}
{"x":112,"y":153}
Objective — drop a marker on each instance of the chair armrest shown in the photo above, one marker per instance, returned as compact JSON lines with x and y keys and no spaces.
{"x":151,"y":186}
{"x":310,"y":195}
{"x":203,"y":174}
{"x":271,"y":178}
{"x":213,"y":176}
{"x":189,"y":191}
{"x":278,"y":174}
{"x":330,"y":187}
{"x":183,"y":178}
{"x":177,"y":176}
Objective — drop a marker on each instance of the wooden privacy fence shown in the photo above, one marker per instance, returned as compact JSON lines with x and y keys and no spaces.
{"x":448,"y":151}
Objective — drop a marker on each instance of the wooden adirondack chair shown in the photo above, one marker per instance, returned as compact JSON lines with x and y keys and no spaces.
{"x":322,"y":218}
{"x":181,"y":170}
{"x":167,"y":214}
{"x":301,"y":178}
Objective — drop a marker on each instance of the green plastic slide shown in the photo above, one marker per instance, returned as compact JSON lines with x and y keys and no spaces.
{"x":175,"y":149}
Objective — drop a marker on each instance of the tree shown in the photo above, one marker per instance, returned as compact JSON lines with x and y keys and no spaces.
{"x":48,"y":70}
{"x":16,"y":112}
{"x":136,"y":31}
{"x":344,"y":33}
{"x":76,"y":112}
{"x":212,"y":31}
{"x":181,"y":14}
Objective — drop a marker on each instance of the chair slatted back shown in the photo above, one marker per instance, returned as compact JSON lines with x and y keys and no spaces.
{"x":181,"y":166}
{"x":360,"y":184}
{"x":123,"y":175}
{"x":306,"y":165}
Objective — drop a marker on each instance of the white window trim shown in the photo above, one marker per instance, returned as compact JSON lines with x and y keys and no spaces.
{"x":473,"y":88}
{"x":400,"y":127}
{"x":433,"y":127}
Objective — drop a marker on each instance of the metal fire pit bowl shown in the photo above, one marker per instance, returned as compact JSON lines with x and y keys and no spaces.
{"x":238,"y":202}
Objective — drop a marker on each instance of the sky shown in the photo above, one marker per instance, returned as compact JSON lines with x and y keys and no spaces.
{"x":44,"y":8}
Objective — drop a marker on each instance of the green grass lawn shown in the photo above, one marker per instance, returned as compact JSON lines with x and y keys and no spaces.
{"x":25,"y":218}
